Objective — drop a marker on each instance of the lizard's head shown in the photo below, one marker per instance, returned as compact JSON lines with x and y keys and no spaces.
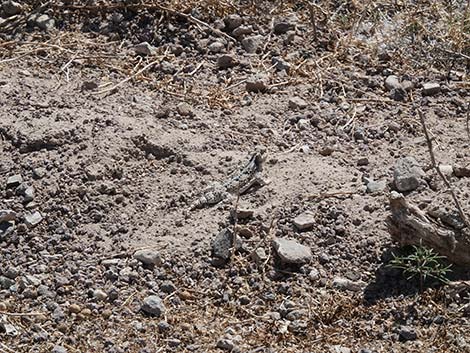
{"x":260,"y":154}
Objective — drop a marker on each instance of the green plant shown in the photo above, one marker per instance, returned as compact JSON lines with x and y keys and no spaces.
{"x":423,"y":263}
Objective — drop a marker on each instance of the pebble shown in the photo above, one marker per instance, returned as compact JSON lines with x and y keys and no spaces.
{"x":59,"y":349}
{"x":282,"y":27}
{"x":431,"y":88}
{"x":392,"y":82}
{"x":43,"y":21}
{"x":99,"y":294}
{"x":184,"y":109}
{"x":74,"y":308}
{"x":144,"y":48}
{"x":28,"y":194}
{"x":226,"y":61}
{"x":148,"y":257}
{"x":347,"y":284}
{"x":374,"y":187}
{"x":407,"y":174}
{"x":7,"y":216}
{"x":303,"y":124}
{"x":256,"y":84}
{"x":216,"y":47}
{"x":291,"y":252}
{"x":33,"y":219}
{"x":407,"y":333}
{"x":39,"y":172}
{"x":242,"y":31}
{"x":222,"y":246}
{"x":297,"y":103}
{"x":11,"y":8}
{"x":232,"y":22}
{"x":252,"y":44}
{"x":305,"y":220}
{"x":447,"y":170}
{"x":242,"y":213}
{"x":14,"y":181}
{"x":339,"y":349}
{"x":461,"y":171}
{"x":153,"y":305}
{"x":259,"y":256}
{"x":167,"y":287}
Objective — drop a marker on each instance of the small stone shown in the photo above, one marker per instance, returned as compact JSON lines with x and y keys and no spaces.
{"x":59,"y":349}
{"x":232,"y":22}
{"x":407,"y":174}
{"x":99,"y":294}
{"x":43,"y":21}
{"x":282,"y":27}
{"x":242,"y":213}
{"x":256,"y":84}
{"x":89,"y":86}
{"x":392,"y":82}
{"x":6,"y":282}
{"x":297,"y":103}
{"x":407,"y":333}
{"x":244,"y":300}
{"x":14,"y":181}
{"x":431,"y":88}
{"x":173,"y":342}
{"x":74,"y":308}
{"x":226,"y":344}
{"x":242,"y":31}
{"x":327,"y":151}
{"x":168,"y":287}
{"x":148,"y":257}
{"x":339,"y":349}
{"x":39,"y":172}
{"x":85,"y":312}
{"x":363,"y":161}
{"x":304,"y":221}
{"x":347,"y":284}
{"x":291,"y":252}
{"x":259,"y":256}
{"x":226,"y":61}
{"x":252,"y":44}
{"x":223,"y":245}
{"x":374,"y":187}
{"x":28,"y":194}
{"x":153,"y":305}
{"x":11,"y":8}
{"x":447,"y":170}
{"x":280,"y":64}
{"x":303,"y":124}
{"x":33,"y":219}
{"x":163,"y":326}
{"x":216,"y":47}
{"x":144,"y":48}
{"x":7,"y":216}
{"x":184,"y":109}
{"x":314,"y":274}
{"x":461,"y":171}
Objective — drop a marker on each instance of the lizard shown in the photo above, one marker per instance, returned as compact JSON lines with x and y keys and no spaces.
{"x":237,"y":183}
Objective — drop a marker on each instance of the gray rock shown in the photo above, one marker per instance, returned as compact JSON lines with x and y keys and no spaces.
{"x":216,"y":47}
{"x":447,"y":170}
{"x":297,"y":103}
{"x":153,"y":305}
{"x":173,"y":342}
{"x":374,"y":187}
{"x":251,"y":44}
{"x":347,"y":284}
{"x":167,"y":287}
{"x":11,"y":8}
{"x":184,"y":109}
{"x":392,"y":82}
{"x":226,"y":344}
{"x":14,"y":181}
{"x":304,"y":220}
{"x":59,"y":349}
{"x":39,"y":172}
{"x":256,"y":84}
{"x":232,"y":22}
{"x":223,"y":245}
{"x":259,"y":256}
{"x":100,"y":295}
{"x":339,"y":349}
{"x":6,"y":282}
{"x":7,"y":216}
{"x":43,"y":21}
{"x":28,"y":194}
{"x":462,"y":171}
{"x":407,"y":174}
{"x":303,"y":124}
{"x":431,"y":88}
{"x":280,"y":64}
{"x":407,"y":333}
{"x":33,"y":219}
{"x":241,"y":31}
{"x":148,"y":257}
{"x":226,"y":61}
{"x":291,"y":252}
{"x":144,"y":48}
{"x":282,"y":27}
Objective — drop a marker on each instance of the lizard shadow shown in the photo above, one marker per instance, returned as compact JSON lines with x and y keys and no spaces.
{"x":390,"y":282}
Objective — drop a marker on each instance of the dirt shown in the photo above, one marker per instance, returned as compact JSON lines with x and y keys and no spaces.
{"x":115,"y":171}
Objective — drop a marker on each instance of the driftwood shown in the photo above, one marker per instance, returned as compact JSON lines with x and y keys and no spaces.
{"x":410,"y":225}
